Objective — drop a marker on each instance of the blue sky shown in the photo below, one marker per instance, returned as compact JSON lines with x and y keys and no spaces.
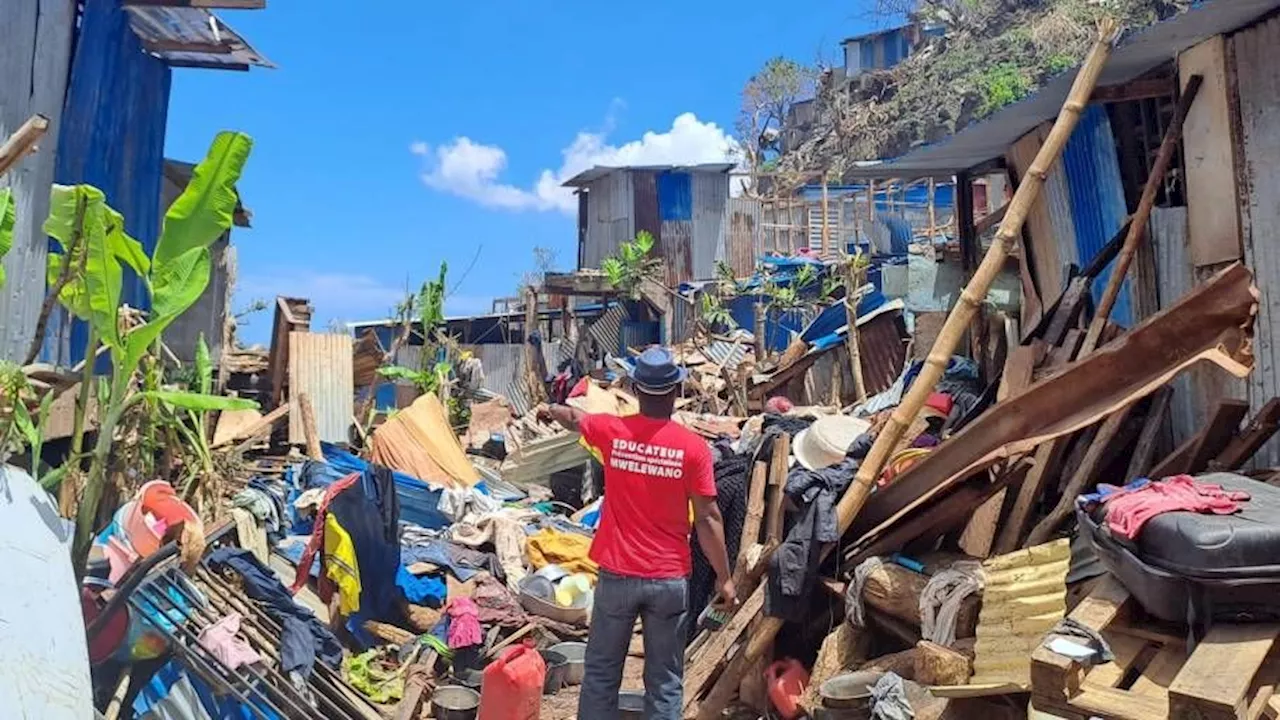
{"x":391,"y":139}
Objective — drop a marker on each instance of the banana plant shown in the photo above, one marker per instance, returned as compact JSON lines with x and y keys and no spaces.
{"x":628,"y":270}
{"x":175,"y":275}
{"x":7,"y":219}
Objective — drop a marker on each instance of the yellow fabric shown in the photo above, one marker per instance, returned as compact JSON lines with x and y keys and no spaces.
{"x":568,"y":550}
{"x":341,"y":566}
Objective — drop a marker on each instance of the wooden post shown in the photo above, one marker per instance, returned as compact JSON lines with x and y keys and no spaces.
{"x":22,"y":142}
{"x":1138,"y":226}
{"x":826,"y":231}
{"x":871,"y":202}
{"x":537,"y":392}
{"x":853,"y":281}
{"x":309,"y":431}
{"x":933,"y":217}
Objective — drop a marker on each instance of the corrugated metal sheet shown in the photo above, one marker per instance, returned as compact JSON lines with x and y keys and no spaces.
{"x":727,"y":354}
{"x":504,"y":368}
{"x":320,"y":366}
{"x":1024,"y":595}
{"x":882,"y":345}
{"x":710,"y":195}
{"x":1098,"y":208}
{"x":35,"y":53}
{"x":1259,"y":89}
{"x":113,"y":132}
{"x":1168,"y":227}
{"x":205,"y":40}
{"x":741,"y":244}
{"x":638,"y":334}
{"x":607,"y":329}
{"x":610,"y":217}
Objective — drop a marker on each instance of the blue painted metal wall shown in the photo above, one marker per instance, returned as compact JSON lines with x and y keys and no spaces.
{"x":113,"y":130}
{"x":1097,"y":198}
{"x":675,"y":196}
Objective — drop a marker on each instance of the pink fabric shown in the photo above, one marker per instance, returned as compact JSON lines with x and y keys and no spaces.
{"x":464,"y":623}
{"x":221,"y":640}
{"x":1129,"y":510}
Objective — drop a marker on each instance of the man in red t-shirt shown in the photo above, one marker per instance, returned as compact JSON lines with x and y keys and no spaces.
{"x":653,"y":469}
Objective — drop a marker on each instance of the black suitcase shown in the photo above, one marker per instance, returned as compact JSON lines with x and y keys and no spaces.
{"x":1186,"y":567}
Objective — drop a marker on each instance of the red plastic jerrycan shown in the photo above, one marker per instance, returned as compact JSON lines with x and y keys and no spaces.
{"x":786,"y":681}
{"x":512,"y":688}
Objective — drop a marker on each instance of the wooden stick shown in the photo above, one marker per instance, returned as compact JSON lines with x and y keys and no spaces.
{"x":933,"y":214}
{"x":309,"y":431}
{"x":851,"y":285}
{"x":1138,"y":227}
{"x":755,"y":514}
{"x":22,"y":142}
{"x":777,"y":479}
{"x":976,"y":289}
{"x":1144,"y":450}
{"x":826,"y":231}
{"x":1255,"y":435}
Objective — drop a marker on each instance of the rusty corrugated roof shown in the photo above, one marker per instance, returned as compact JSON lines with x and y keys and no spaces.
{"x":1024,"y":595}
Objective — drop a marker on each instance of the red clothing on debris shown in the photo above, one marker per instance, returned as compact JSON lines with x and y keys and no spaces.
{"x":651,"y":470}
{"x":1129,"y":510}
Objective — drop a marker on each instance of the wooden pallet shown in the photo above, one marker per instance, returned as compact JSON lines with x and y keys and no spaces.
{"x":1232,"y":672}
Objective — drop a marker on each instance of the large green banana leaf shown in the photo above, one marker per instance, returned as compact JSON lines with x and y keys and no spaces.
{"x":7,"y":220}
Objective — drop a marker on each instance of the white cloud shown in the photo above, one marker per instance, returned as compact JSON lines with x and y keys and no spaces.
{"x":473,"y":170}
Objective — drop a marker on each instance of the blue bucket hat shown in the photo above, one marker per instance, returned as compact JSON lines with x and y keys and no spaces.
{"x":656,"y":371}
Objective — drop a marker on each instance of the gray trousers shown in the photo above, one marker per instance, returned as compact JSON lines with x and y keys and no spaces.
{"x":661,"y":605}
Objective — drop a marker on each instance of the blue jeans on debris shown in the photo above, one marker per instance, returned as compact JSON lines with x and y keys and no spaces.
{"x":661,"y":605}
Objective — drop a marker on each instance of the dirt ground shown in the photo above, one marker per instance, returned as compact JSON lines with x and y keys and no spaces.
{"x":564,"y":704}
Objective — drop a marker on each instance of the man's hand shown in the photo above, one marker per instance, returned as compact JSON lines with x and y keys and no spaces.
{"x":543,"y":414}
{"x":726,"y":596}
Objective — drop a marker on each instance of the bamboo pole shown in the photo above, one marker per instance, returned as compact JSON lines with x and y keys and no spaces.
{"x":933,"y":215}
{"x":22,"y":142}
{"x":1138,"y":227}
{"x":960,"y":316}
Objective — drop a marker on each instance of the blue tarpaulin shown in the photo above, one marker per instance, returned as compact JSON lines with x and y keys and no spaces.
{"x":419,"y":502}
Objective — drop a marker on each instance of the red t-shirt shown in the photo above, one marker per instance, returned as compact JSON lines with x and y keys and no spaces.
{"x":651,"y":470}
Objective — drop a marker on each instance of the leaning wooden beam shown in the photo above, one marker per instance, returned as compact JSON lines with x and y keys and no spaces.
{"x":1144,"y":450}
{"x":1138,"y":227}
{"x":22,"y":142}
{"x":252,"y":434}
{"x":1255,"y":435}
{"x":1194,"y":454}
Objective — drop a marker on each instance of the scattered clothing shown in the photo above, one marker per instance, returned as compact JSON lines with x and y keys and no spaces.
{"x":497,"y":604}
{"x":569,"y":551}
{"x":252,"y":536}
{"x":341,"y":565}
{"x":367,"y":515}
{"x":506,"y":534}
{"x":317,"y":534}
{"x":223,"y":641}
{"x":732,"y":473}
{"x":464,"y":563}
{"x":466,"y":504}
{"x":1130,"y":507}
{"x":428,"y":590}
{"x":464,"y":623}
{"x":304,"y":637}
{"x":1088,"y":636}
{"x":889,"y":699}
{"x":261,"y":503}
{"x":793,"y":569}
{"x":942,"y":597}
{"x":853,"y":608}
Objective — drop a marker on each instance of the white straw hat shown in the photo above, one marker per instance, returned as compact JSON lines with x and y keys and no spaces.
{"x":827,"y":440}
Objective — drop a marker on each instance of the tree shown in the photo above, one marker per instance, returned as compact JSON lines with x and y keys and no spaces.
{"x":766,"y":99}
{"x":632,"y":266}
{"x":544,"y":261}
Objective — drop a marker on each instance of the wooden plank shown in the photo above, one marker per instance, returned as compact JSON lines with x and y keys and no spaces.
{"x":777,"y":479}
{"x":1126,"y":650}
{"x":1213,"y":218}
{"x":262,"y":427}
{"x":1068,"y":311}
{"x":1159,"y":674}
{"x":1215,"y":681}
{"x":895,"y":591}
{"x":291,"y":315}
{"x":1255,"y":435}
{"x":755,"y":515}
{"x":1111,"y":703}
{"x":309,"y":432}
{"x":701,"y":668}
{"x":1194,"y":454}
{"x":1149,"y":436}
